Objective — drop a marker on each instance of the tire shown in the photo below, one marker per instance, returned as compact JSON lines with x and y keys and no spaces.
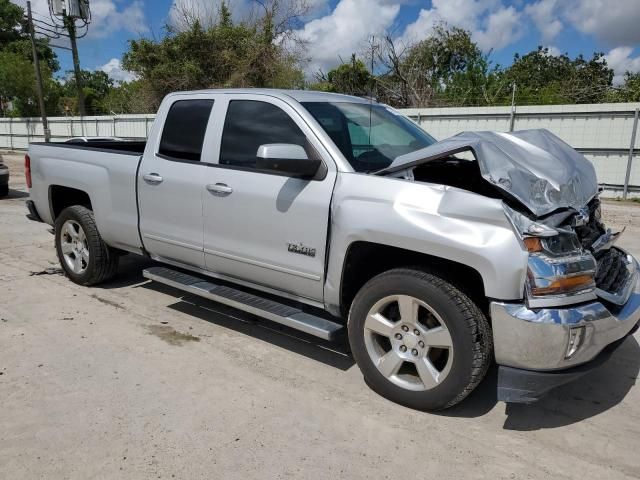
{"x":446,"y":339}
{"x":4,"y":190}
{"x":97,"y":261}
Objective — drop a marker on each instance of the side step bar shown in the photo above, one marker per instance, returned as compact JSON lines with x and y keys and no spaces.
{"x":277,"y":312}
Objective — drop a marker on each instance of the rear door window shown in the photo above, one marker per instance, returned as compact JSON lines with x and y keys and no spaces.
{"x":184,"y":129}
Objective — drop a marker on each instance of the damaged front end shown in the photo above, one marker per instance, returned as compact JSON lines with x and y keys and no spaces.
{"x":581,"y":293}
{"x":550,"y":197}
{"x":573,"y":259}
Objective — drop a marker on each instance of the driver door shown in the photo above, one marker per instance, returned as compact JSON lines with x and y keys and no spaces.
{"x":266,"y":228}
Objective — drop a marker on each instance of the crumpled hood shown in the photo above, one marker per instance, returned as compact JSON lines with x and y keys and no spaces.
{"x":533,"y":166}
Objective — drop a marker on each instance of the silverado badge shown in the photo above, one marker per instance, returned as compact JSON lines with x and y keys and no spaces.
{"x":301,"y":249}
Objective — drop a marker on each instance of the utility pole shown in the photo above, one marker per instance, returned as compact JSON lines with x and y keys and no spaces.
{"x":36,"y":65}
{"x":71,"y":28}
{"x":512,"y":116}
{"x":632,"y":147}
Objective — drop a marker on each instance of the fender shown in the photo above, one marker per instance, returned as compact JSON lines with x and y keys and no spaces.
{"x":437,"y":220}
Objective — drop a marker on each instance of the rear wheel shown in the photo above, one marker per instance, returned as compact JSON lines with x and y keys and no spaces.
{"x":4,"y":190}
{"x":83,"y":255}
{"x":418,"y":340}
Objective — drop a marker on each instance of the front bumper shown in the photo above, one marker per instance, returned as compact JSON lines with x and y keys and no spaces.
{"x":555,"y":340}
{"x":516,"y":385}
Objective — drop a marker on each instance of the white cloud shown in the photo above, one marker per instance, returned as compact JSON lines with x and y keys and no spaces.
{"x":107,"y":16}
{"x":492,"y":25}
{"x":503,"y":27}
{"x":614,"y":22}
{"x":114,"y":69}
{"x":545,"y":17}
{"x":345,"y":30}
{"x":621,"y":61}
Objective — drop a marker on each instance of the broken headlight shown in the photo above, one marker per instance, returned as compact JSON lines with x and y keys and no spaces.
{"x":556,"y":246}
{"x":558,"y":266}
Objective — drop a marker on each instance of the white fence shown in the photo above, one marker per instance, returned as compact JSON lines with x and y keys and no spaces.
{"x":602,"y":132}
{"x":16,"y":133}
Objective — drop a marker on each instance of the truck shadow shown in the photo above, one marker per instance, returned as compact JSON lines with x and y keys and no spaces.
{"x":335,"y":354}
{"x":16,"y":194}
{"x":595,"y":393}
{"x":129,"y":272}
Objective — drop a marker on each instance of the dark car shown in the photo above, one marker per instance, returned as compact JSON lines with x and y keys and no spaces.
{"x":4,"y":179}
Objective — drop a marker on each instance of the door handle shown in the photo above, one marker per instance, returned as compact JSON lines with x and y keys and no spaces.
{"x":152,"y":178}
{"x":220,"y":189}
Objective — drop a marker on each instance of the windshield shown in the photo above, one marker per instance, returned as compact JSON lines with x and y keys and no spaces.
{"x":369,"y":136}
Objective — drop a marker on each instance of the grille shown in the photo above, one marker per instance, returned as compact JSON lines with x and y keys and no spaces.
{"x":590,"y":232}
{"x":612,"y":270}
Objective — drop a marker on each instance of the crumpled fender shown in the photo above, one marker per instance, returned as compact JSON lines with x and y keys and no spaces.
{"x":437,"y":220}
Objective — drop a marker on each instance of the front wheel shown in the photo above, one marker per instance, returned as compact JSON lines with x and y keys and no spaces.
{"x":418,"y":340}
{"x":84,"y":256}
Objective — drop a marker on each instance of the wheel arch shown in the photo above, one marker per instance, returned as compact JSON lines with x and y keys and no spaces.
{"x":61,"y":197}
{"x":364,"y":260}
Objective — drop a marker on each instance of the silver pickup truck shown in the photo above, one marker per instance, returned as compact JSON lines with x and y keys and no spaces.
{"x":329,"y":213}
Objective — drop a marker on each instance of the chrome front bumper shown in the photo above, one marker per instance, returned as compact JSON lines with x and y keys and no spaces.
{"x":540,"y":339}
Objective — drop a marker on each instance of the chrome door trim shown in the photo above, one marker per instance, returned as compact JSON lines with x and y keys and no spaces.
{"x":173,"y":242}
{"x":257,"y":263}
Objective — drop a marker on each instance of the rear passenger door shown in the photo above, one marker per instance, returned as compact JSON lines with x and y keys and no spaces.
{"x":171,"y":182}
{"x":264,"y":227}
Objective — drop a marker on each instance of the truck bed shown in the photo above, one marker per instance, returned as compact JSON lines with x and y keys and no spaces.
{"x":127,"y":147}
{"x":105,"y":170}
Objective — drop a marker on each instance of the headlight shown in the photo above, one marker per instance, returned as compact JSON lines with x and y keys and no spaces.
{"x":558,"y":268}
{"x":558,"y":245}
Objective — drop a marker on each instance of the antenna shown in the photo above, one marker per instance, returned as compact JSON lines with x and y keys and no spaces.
{"x":373,"y":47}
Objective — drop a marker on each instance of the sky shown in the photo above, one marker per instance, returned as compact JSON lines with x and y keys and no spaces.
{"x":336,"y":28}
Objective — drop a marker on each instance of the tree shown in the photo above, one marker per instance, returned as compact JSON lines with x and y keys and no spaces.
{"x":447,"y":65}
{"x":129,"y":97}
{"x":11,"y":22}
{"x":350,"y":78}
{"x":96,"y":87}
{"x":14,"y":36}
{"x":16,"y":80}
{"x":224,"y":54}
{"x":17,"y":77}
{"x":629,"y":90}
{"x":545,"y":78}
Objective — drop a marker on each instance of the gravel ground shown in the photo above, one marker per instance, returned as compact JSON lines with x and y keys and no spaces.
{"x":134,"y":380}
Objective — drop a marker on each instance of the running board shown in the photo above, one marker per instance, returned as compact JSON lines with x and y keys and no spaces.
{"x":277,"y":312}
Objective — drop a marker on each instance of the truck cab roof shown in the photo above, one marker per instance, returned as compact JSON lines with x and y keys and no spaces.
{"x":298,"y":95}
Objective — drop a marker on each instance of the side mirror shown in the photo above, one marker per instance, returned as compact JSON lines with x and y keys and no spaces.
{"x":288,"y":159}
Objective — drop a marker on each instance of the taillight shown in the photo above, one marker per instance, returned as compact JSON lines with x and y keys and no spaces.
{"x":27,"y":170}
